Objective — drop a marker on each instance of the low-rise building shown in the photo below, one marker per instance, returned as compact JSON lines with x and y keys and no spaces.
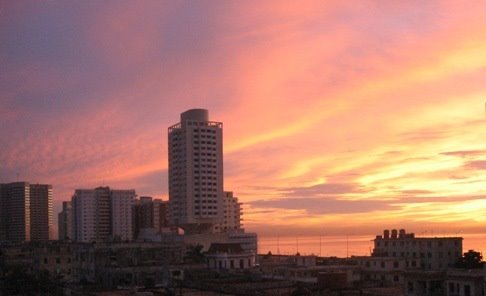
{"x":453,"y":282}
{"x":229,"y":256}
{"x":382,"y":271}
{"x":427,"y":253}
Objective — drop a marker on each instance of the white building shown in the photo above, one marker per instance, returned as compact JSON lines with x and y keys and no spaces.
{"x":84,"y":205}
{"x":196,"y":172}
{"x":102,"y":214}
{"x":229,"y":256}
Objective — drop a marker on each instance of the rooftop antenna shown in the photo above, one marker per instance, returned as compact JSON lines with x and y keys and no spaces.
{"x":18,"y":177}
{"x":297,"y":243}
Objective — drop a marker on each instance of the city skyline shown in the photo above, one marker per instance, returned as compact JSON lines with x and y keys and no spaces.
{"x":338,"y":117}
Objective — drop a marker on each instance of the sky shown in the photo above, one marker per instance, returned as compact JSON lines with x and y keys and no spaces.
{"x":340,"y":117}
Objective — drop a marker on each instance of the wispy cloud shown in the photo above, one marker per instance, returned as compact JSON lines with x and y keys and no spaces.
{"x":330,"y":109}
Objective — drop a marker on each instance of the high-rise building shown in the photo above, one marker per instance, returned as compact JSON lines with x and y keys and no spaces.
{"x":102,"y":214}
{"x":196,"y":172}
{"x":15,"y":213}
{"x":160,"y":214}
{"x":41,"y":215}
{"x":84,"y":215}
{"x":25,"y":212}
{"x":148,"y":213}
{"x":143,"y":215}
{"x":121,"y":214}
{"x":65,"y":221}
{"x":232,"y":213}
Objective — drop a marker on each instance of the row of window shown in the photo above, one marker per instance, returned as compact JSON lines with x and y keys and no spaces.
{"x":204,"y":148}
{"x":206,"y":207}
{"x":211,"y":213}
{"x":205,"y":160}
{"x":204,"y":189}
{"x":207,"y":201}
{"x":203,"y":130}
{"x":421,"y":254}
{"x":205,"y":172}
{"x":196,"y":166}
{"x":204,"y":142}
{"x":204,"y":136}
{"x":205,"y":154}
{"x":206,"y":183}
{"x":205,"y":178}
{"x":414,"y":243}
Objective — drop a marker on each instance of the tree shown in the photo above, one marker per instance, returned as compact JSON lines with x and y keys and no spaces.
{"x":470,"y":260}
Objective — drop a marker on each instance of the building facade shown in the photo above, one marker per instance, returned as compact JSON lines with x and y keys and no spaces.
{"x":65,"y":222}
{"x":25,"y":212}
{"x":429,"y":253}
{"x":149,"y":213}
{"x":160,"y":215}
{"x":121,"y":213}
{"x":41,"y":214}
{"x":229,"y":256}
{"x":231,"y":214}
{"x":102,"y":214}
{"x":84,"y":208}
{"x":15,"y":213}
{"x":196,"y":172}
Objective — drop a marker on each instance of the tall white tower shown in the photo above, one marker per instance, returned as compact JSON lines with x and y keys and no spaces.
{"x":196,"y":172}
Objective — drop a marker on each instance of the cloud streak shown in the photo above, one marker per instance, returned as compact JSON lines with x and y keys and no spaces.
{"x":331,"y":110}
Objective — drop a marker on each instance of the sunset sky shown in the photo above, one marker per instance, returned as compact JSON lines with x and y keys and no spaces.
{"x":339,"y":116}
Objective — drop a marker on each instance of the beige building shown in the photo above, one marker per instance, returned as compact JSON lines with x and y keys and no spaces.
{"x":231,"y":214}
{"x":429,"y":253}
{"x":196,"y":172}
{"x":383,"y":271}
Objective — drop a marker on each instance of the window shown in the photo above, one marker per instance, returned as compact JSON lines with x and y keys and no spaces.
{"x":467,"y":290}
{"x":410,"y":287}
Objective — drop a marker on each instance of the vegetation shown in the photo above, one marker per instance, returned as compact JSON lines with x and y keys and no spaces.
{"x":470,"y":260}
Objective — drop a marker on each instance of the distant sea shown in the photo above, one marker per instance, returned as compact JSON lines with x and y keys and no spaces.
{"x":343,"y":246}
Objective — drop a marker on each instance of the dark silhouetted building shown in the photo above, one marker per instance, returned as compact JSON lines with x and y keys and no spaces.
{"x":25,"y":212}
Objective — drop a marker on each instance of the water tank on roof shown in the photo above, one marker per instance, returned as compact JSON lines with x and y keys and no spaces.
{"x":386,"y":234}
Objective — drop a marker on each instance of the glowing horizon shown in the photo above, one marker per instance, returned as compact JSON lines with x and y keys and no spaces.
{"x":338,"y":117}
